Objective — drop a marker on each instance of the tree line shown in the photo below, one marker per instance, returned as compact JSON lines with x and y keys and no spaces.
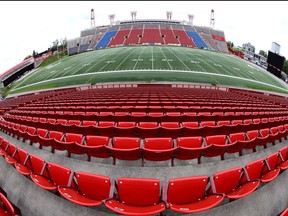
{"x":58,"y":44}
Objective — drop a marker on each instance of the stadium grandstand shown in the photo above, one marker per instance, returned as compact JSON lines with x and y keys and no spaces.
{"x":145,"y":117}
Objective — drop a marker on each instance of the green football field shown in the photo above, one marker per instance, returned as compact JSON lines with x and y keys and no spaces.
{"x":148,"y":64}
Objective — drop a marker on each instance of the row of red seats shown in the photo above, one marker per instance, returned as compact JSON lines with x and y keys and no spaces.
{"x":179,"y":106}
{"x":152,"y":149}
{"x":147,"y":116}
{"x":135,"y":196}
{"x":144,"y":129}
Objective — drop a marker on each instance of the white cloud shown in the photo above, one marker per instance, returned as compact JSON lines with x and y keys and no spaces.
{"x":28,"y":26}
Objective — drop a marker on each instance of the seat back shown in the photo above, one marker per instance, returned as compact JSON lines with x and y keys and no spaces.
{"x":139,"y":191}
{"x":254,"y":169}
{"x":71,"y":137}
{"x":208,"y":123}
{"x":187,"y":189}
{"x":148,"y":125}
{"x":158,"y":143}
{"x":56,"y":135}
{"x":283,"y":152}
{"x":96,"y":140}
{"x":237,"y":137}
{"x":60,"y":175}
{"x":217,"y":139}
{"x":189,"y":142}
{"x":93,"y":186}
{"x":252,"y":134}
{"x":22,"y":155}
{"x":37,"y":164}
{"x":226,"y":181}
{"x":89,"y":123}
{"x":170,"y":125}
{"x":42,"y":132}
{"x":126,"y":142}
{"x":190,"y":124}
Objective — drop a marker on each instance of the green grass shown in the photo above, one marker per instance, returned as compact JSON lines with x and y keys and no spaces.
{"x":151,"y":63}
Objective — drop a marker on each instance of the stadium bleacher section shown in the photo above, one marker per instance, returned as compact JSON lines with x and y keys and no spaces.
{"x":106,"y":39}
{"x":147,"y":123}
{"x":149,"y":32}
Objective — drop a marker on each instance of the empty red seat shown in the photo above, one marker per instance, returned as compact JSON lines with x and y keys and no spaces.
{"x":87,"y":127}
{"x":105,"y":128}
{"x":188,"y":195}
{"x":158,"y":149}
{"x":58,"y":176}
{"x":95,"y":146}
{"x":238,"y":143}
{"x":170,"y":129}
{"x":148,"y":129}
{"x":229,"y":182}
{"x":253,"y":140}
{"x":190,"y":148}
{"x":125,"y":129}
{"x":191,"y":129}
{"x":137,"y":196}
{"x":11,"y":153}
{"x":91,"y":189}
{"x":73,"y":143}
{"x":218,"y":146}
{"x":125,"y":148}
{"x":283,"y":158}
{"x":22,"y":163}
{"x":270,"y":170}
{"x":4,"y":146}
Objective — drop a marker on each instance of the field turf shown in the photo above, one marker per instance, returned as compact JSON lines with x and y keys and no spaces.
{"x":148,"y":64}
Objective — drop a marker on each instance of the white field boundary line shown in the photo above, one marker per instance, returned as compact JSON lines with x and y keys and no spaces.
{"x":149,"y":70}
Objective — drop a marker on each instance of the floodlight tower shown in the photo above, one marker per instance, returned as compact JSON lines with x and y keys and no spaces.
{"x":92,"y":18}
{"x":169,"y":15}
{"x":133,"y":15}
{"x":111,"y":17}
{"x":212,"y":20}
{"x":191,"y":18}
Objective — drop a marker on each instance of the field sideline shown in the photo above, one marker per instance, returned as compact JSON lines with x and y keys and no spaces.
{"x":151,"y":63}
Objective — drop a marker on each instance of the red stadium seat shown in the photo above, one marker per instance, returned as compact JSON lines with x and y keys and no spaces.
{"x":105,"y":128}
{"x":125,"y":129}
{"x":191,"y":129}
{"x":190,"y":148}
{"x":148,"y":129}
{"x":218,"y":146}
{"x":238,"y":143}
{"x":23,"y":164}
{"x":91,"y":189}
{"x":188,"y":195}
{"x":170,"y":129}
{"x":95,"y":146}
{"x":283,"y":158}
{"x":137,"y":196}
{"x":58,"y":176}
{"x":270,"y":170}
{"x":158,"y":149}
{"x":125,"y":148}
{"x":10,"y":154}
{"x":228,"y":182}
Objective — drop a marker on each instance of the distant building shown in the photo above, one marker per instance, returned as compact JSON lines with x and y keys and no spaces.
{"x":249,"y":54}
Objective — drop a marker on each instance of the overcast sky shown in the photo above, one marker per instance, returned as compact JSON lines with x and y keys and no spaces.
{"x":28,"y":26}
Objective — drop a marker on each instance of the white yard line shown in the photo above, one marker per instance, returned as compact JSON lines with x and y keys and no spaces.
{"x":189,"y":69}
{"x":138,"y":59}
{"x":166,"y":58}
{"x":155,"y":70}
